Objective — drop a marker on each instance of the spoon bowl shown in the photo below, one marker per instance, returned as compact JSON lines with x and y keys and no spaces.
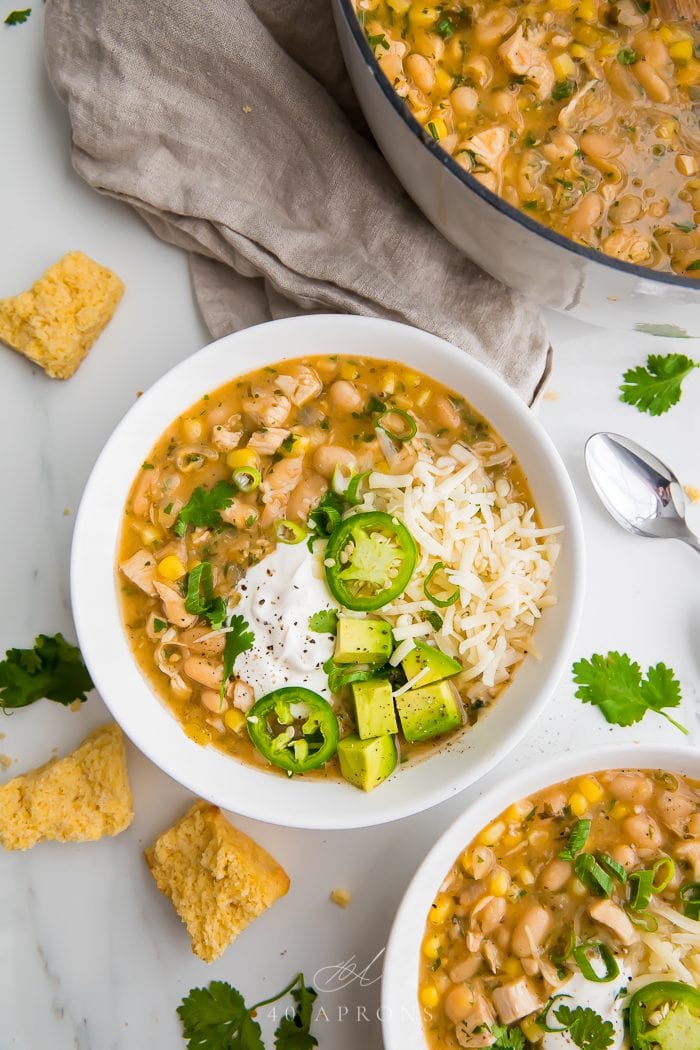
{"x":639,"y":491}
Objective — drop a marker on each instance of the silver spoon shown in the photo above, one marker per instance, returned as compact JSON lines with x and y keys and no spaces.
{"x":637,"y":489}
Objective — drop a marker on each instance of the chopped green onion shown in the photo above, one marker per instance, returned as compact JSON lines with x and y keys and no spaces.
{"x":612,"y":970}
{"x":560,"y":955}
{"x":642,"y":885}
{"x":589,"y":871}
{"x":287,"y":531}
{"x":410,"y":426}
{"x":342,"y":476}
{"x":434,"y":619}
{"x":200,"y":589}
{"x":577,"y":839}
{"x":667,"y":779}
{"x":690,"y":895}
{"x":669,"y":865}
{"x":644,"y":920}
{"x":247,"y":479}
{"x":352,"y":494}
{"x":442,"y":603}
{"x":612,"y":867}
{"x":541,"y":1019}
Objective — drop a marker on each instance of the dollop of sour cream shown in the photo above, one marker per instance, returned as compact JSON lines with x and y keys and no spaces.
{"x":278,"y":596}
{"x":605,"y":998}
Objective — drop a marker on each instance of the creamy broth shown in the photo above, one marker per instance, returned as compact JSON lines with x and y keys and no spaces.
{"x":503,"y":931}
{"x":583,"y":113}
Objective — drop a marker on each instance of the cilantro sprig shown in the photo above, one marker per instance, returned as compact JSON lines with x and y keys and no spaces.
{"x":656,"y":387}
{"x":18,"y":18}
{"x":239,"y":639}
{"x":217,"y":1018}
{"x":508,"y":1038}
{"x":615,"y":684}
{"x":53,"y":670}
{"x":325,"y":621}
{"x":203,"y":509}
{"x":587,"y":1029}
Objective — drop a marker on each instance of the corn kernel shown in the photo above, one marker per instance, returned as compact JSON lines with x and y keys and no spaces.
{"x":564,"y":66}
{"x":531,"y":1030}
{"x":429,"y":996}
{"x":689,"y":74}
{"x":686,"y":164}
{"x":437,"y":128}
{"x":348,"y":371}
{"x":667,"y":34}
{"x":666,"y":129}
{"x":577,"y":888}
{"x":561,"y":5}
{"x":341,"y":897}
{"x":151,"y":534}
{"x":586,"y":11}
{"x":578,"y":804}
{"x":511,"y":839}
{"x":512,"y":966}
{"x":499,"y":883}
{"x":681,"y":51}
{"x":619,"y":811}
{"x":411,"y":379}
{"x":193,"y":429}
{"x":590,"y":788}
{"x":432,"y":946}
{"x":526,"y":876}
{"x":440,"y":909}
{"x":171,"y":568}
{"x":586,"y":34}
{"x":444,"y":81}
{"x":200,"y":734}
{"x":399,"y":6}
{"x":234,"y":720}
{"x":605,"y":50}
{"x":242,"y":457}
{"x":490,"y":835}
{"x":296,"y":447}
{"x":423,"y":15}
{"x":515,"y":812}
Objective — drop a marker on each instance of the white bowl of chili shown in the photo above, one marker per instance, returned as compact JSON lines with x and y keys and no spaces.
{"x":109,"y":635}
{"x":645,"y":776}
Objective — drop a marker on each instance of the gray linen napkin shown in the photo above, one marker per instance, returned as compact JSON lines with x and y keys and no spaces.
{"x":231,"y":127}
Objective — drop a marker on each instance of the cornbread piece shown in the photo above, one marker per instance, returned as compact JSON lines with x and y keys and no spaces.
{"x":56,"y":322}
{"x":79,"y":798}
{"x":218,"y":879}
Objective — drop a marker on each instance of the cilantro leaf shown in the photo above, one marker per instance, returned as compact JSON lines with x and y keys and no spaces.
{"x":216,"y":1018}
{"x":325,"y":621}
{"x":656,"y":387}
{"x":18,"y":18}
{"x":52,"y":670}
{"x":293,"y":1033}
{"x":587,"y":1029}
{"x":204,"y":507}
{"x":508,"y":1038}
{"x":239,"y":640}
{"x":615,"y":684}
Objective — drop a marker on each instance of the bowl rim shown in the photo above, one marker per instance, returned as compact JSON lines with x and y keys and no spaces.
{"x":400,"y":1031}
{"x":98,"y":621}
{"x":346,"y":9}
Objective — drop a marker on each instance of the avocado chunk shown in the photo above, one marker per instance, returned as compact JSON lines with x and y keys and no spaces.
{"x":363,"y":641}
{"x":374,"y":708}
{"x":428,"y":711}
{"x":366,"y":763}
{"x":437,"y":665}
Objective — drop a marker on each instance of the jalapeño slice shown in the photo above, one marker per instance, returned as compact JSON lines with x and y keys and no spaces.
{"x":293,"y":728}
{"x":679,"y":1028}
{"x":369,"y":560}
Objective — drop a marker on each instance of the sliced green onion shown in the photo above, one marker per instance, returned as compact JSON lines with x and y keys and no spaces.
{"x":352,"y":494}
{"x":667,"y":779}
{"x":408,"y":431}
{"x":559,"y":957}
{"x":644,"y":920}
{"x":247,"y":479}
{"x":441,"y":603}
{"x":690,"y":895}
{"x":434,"y":619}
{"x":612,"y":867}
{"x":642,"y":886}
{"x":287,"y":531}
{"x":541,"y":1019}
{"x":342,"y":476}
{"x":578,"y":838}
{"x":670,"y":867}
{"x":589,"y":871}
{"x":200,"y":589}
{"x":612,"y":970}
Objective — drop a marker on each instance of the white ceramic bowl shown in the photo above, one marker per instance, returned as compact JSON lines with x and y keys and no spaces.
{"x":146,"y":719}
{"x":400,"y":1011}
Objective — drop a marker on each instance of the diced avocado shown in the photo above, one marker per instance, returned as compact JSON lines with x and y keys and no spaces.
{"x":363,"y":641}
{"x":374,"y":708}
{"x":428,"y":711}
{"x":366,"y":763}
{"x":438,"y":664}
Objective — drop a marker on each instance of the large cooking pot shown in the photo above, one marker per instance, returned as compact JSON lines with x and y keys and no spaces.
{"x":506,"y":242}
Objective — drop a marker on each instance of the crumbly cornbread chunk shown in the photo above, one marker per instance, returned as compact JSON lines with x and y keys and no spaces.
{"x":218,"y":879}
{"x":79,"y":798}
{"x":56,"y":322}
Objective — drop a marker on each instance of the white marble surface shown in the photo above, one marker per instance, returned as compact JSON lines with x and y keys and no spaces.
{"x":91,"y":956}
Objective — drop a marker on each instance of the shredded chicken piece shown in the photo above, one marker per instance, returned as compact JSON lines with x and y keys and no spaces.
{"x":267,"y":410}
{"x":266,"y":442}
{"x":277,"y":487}
{"x":611,"y":915}
{"x":515,"y":1000}
{"x":524,"y":58}
{"x":174,"y":606}
{"x":141,"y":569}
